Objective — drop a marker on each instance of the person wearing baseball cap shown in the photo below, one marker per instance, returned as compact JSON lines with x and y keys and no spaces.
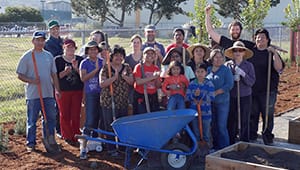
{"x":54,"y":42}
{"x":150,"y":35}
{"x":47,"y":80}
{"x":54,"y":45}
{"x":71,"y":91}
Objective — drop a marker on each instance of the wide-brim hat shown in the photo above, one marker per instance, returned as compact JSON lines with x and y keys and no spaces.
{"x":206,"y":50}
{"x":167,"y":58}
{"x":238,"y":45}
{"x":92,"y":44}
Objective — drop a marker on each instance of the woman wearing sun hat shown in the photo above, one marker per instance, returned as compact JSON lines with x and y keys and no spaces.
{"x":178,"y":54}
{"x":199,"y":54}
{"x":244,"y":74}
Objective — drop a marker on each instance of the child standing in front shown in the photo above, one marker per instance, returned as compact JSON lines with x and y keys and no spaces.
{"x":174,"y":86}
{"x":201,"y":89}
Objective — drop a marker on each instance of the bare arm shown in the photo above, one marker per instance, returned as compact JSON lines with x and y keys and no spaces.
{"x":214,"y":35}
{"x":26,"y":79}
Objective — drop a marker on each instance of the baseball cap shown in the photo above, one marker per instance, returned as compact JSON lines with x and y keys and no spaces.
{"x":39,"y":34}
{"x":148,"y":49}
{"x":150,"y":28}
{"x":68,"y":42}
{"x":53,"y":23}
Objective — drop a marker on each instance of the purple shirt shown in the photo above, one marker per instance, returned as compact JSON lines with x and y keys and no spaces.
{"x":92,"y":85}
{"x":246,"y":82}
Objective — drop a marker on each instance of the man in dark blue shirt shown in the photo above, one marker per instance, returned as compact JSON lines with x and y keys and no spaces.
{"x":54,"y":45}
{"x":54,"y":42}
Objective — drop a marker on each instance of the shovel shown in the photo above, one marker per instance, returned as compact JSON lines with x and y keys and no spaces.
{"x":239,"y":108}
{"x":203,"y":146}
{"x":48,"y":140}
{"x":264,"y":133}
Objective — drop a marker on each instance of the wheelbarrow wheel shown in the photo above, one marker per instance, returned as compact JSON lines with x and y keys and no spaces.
{"x":174,"y":161}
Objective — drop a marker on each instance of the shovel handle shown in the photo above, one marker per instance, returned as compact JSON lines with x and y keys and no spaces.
{"x":200,"y":119}
{"x":39,"y":86}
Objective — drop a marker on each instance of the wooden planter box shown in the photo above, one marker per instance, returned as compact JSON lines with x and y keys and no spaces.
{"x":294,"y":126}
{"x":214,"y":161}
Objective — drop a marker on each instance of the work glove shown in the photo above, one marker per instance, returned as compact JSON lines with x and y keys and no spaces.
{"x":236,"y":77}
{"x":240,"y":71}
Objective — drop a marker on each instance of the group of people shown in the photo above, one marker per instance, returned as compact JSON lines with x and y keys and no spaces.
{"x":227,"y":83}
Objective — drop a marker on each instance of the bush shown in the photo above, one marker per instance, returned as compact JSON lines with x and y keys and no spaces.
{"x":20,"y":127}
{"x":3,"y":140}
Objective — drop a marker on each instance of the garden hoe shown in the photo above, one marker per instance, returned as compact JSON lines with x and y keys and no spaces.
{"x":48,"y":140}
{"x":264,"y":133}
{"x":203,"y":146}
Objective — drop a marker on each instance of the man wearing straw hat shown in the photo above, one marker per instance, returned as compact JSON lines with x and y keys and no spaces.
{"x":240,"y":94}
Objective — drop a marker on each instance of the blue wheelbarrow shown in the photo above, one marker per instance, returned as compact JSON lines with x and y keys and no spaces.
{"x":153,"y":132}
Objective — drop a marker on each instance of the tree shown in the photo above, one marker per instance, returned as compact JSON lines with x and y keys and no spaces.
{"x":102,"y":10}
{"x":21,"y":14}
{"x":252,"y":16}
{"x":233,"y":8}
{"x":160,"y":8}
{"x":292,"y":14}
{"x":198,"y":19}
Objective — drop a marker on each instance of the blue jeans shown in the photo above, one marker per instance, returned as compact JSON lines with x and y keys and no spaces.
{"x":219,"y":125}
{"x":259,"y":106}
{"x":205,"y":128}
{"x":93,"y":113}
{"x":33,"y":110}
{"x":176,"y":101}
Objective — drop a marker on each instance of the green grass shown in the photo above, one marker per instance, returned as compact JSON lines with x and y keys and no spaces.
{"x":12,"y":101}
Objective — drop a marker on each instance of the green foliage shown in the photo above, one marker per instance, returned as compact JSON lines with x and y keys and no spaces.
{"x":198,"y":20}
{"x":101,"y":10}
{"x":3,"y":140}
{"x":21,"y":14}
{"x":252,"y":16}
{"x":233,"y":9}
{"x":292,"y":14}
{"x":159,"y":9}
{"x":20,"y":127}
{"x":230,"y":8}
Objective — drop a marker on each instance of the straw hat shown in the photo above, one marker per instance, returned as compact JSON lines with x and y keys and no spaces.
{"x":238,"y":45}
{"x":206,"y":50}
{"x":167,"y":58}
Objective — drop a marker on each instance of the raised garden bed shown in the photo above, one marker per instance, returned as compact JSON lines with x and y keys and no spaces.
{"x":246,"y":156}
{"x":294,"y":135}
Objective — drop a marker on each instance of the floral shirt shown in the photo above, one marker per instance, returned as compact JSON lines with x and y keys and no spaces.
{"x":120,"y":88}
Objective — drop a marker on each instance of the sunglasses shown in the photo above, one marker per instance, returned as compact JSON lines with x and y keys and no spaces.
{"x":238,"y":50}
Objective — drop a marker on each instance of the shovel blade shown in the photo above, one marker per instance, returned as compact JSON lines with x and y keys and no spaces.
{"x":50,"y":148}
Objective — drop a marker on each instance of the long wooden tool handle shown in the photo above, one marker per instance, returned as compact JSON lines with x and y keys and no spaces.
{"x":39,"y":86}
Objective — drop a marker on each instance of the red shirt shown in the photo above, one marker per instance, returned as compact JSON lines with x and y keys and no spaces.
{"x":174,"y":45}
{"x":148,"y":71}
{"x":181,"y":81}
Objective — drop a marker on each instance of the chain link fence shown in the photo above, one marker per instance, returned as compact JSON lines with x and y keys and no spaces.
{"x":13,"y":43}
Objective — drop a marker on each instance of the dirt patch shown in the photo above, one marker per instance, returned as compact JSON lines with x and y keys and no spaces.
{"x":18,"y":158}
{"x":257,"y":155}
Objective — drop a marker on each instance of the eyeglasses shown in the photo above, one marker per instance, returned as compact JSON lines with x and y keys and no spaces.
{"x":238,"y":50}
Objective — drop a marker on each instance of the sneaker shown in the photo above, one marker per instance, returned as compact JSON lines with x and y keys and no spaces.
{"x":58,"y":135}
{"x":30,"y":149}
{"x":83,"y":154}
